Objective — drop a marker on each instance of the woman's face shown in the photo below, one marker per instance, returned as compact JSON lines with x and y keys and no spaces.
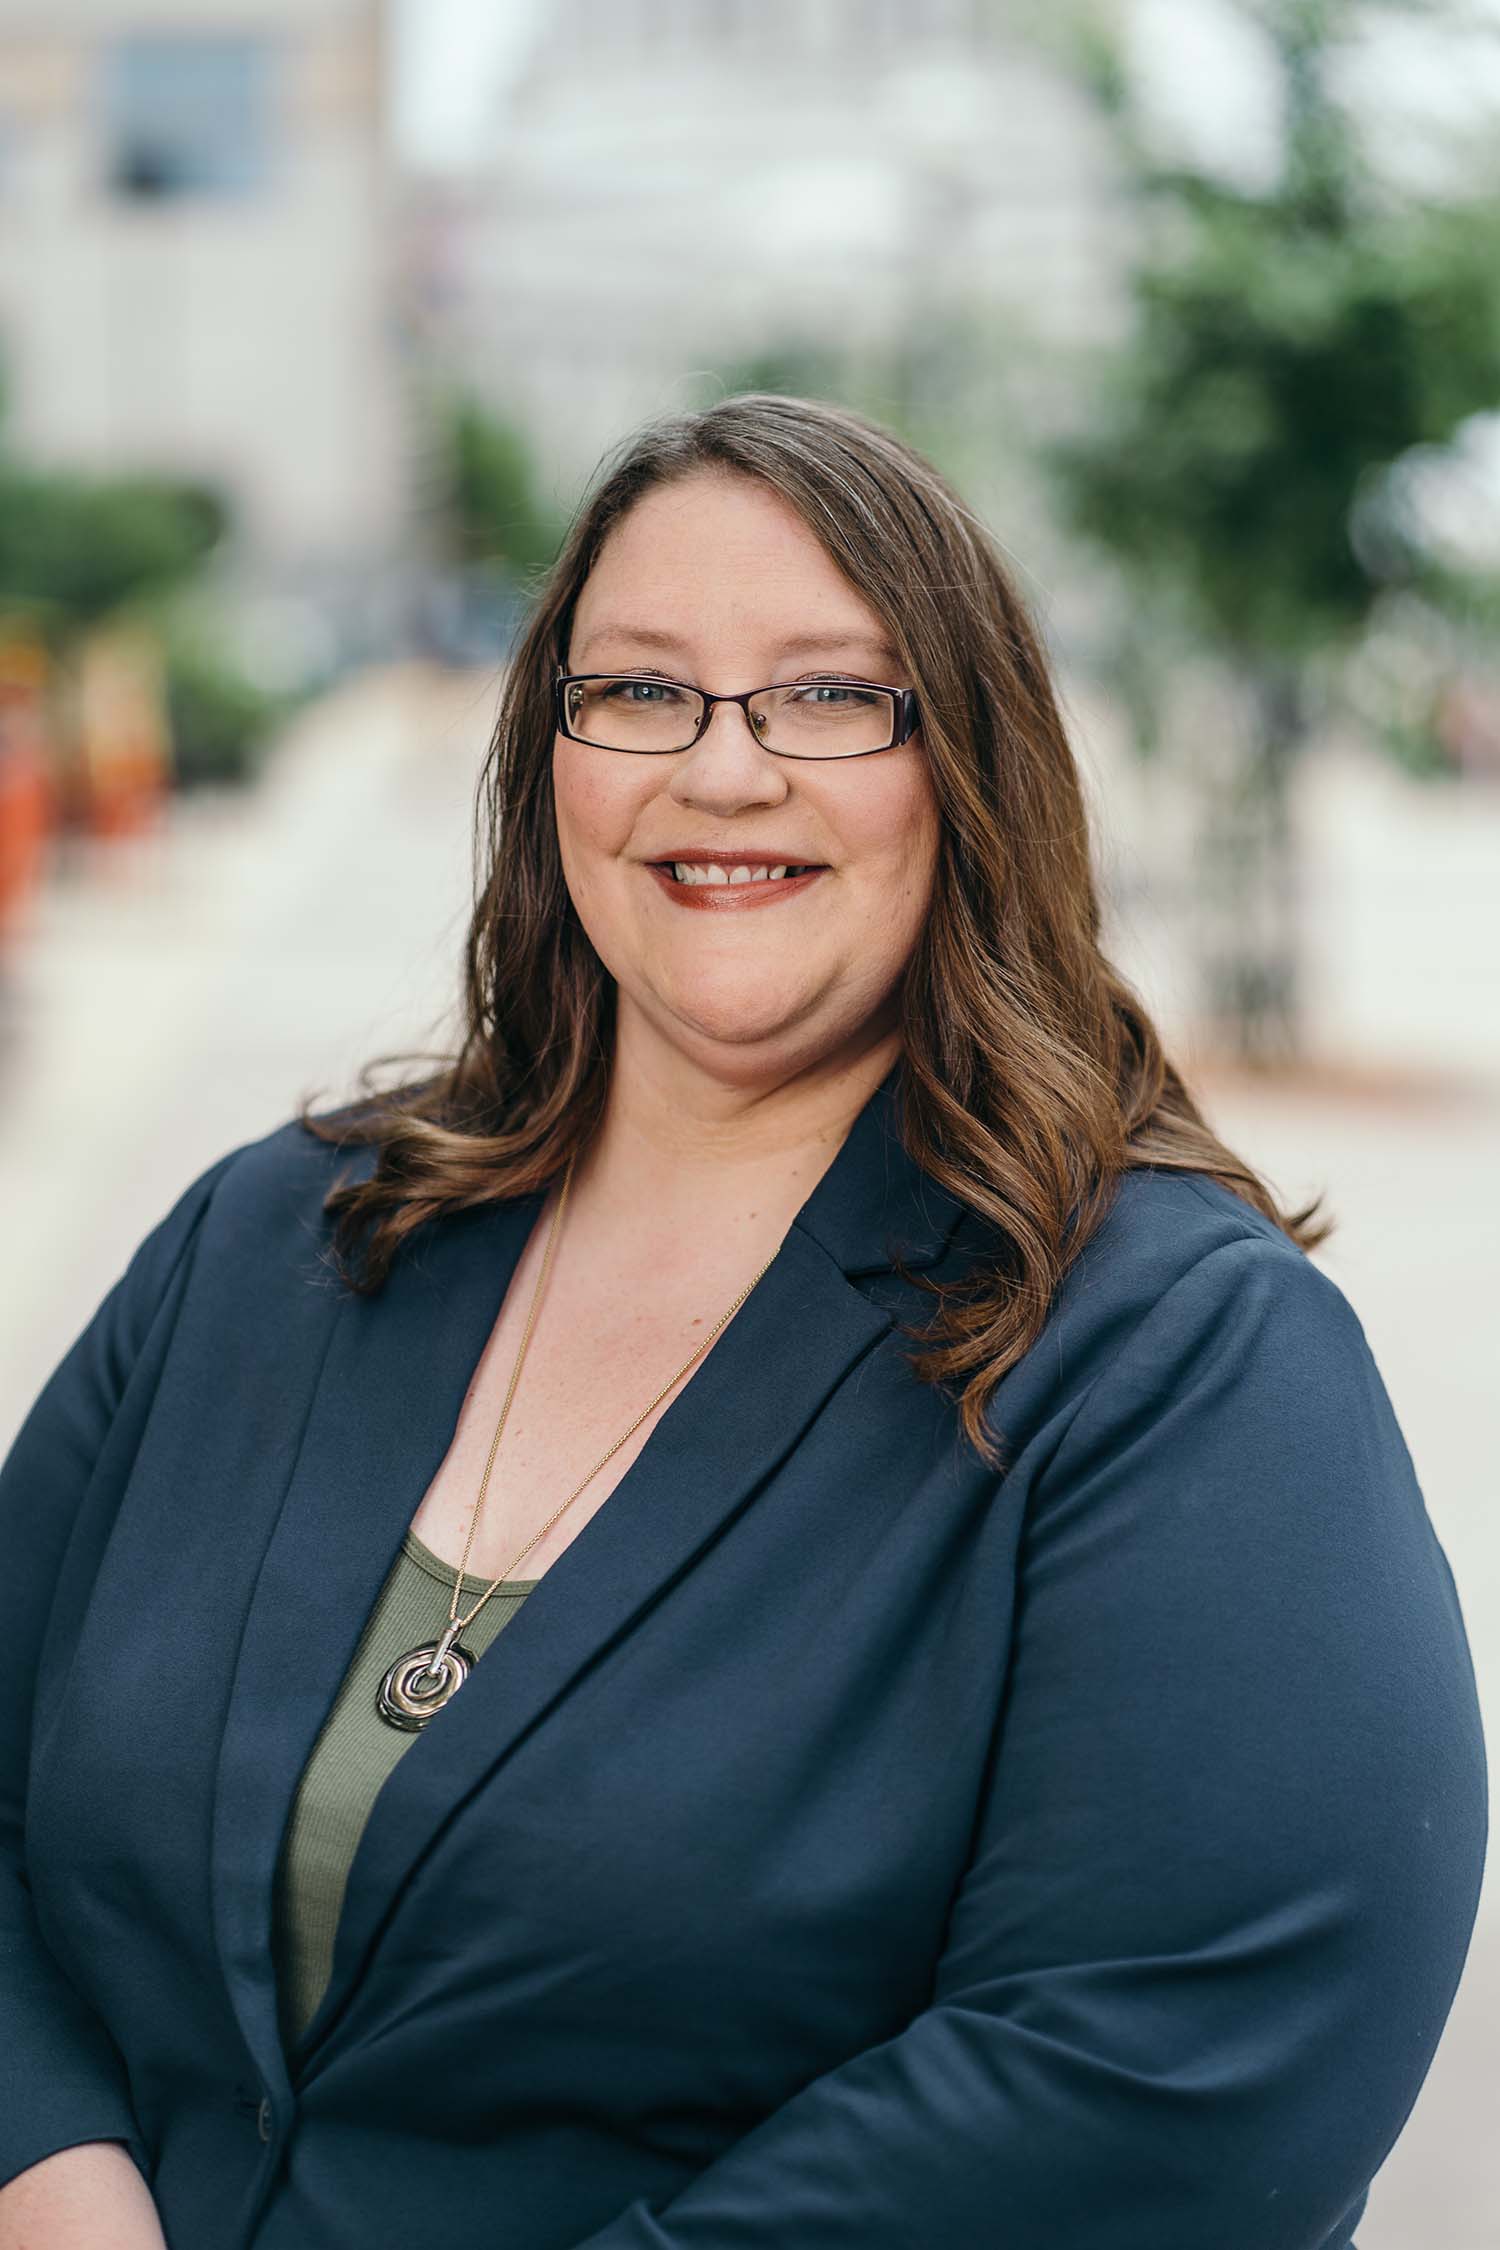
{"x":716,"y":581}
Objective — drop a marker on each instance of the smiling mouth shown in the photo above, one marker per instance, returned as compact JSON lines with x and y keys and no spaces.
{"x":722,"y":885}
{"x":715,"y":871}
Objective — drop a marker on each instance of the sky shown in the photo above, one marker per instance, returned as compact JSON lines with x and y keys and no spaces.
{"x":453,"y":58}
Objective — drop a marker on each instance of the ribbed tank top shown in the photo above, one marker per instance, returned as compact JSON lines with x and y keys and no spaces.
{"x":355,"y":1751}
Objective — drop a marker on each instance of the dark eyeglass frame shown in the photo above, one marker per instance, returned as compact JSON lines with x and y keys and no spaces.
{"x":905,"y":717}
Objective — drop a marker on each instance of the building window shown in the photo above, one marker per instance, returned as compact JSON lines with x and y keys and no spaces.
{"x":186,"y":115}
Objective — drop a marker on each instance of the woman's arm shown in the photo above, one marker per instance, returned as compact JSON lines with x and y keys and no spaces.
{"x":1225,"y":1873}
{"x":80,"y":2199}
{"x":62,"y":2081}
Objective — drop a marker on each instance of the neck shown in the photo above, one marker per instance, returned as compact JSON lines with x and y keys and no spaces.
{"x":679,"y":1139}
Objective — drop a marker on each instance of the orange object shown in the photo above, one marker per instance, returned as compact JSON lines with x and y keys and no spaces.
{"x":124,"y":742}
{"x":28,"y":799}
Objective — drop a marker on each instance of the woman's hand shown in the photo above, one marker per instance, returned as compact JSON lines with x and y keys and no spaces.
{"x":77,"y":2199}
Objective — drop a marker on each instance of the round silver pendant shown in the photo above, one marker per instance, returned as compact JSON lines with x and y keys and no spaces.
{"x":417,"y":1685}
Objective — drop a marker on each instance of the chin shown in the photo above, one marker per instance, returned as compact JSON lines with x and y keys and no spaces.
{"x":736,"y":998}
{"x":754,"y":1035}
{"x":749,"y":1023}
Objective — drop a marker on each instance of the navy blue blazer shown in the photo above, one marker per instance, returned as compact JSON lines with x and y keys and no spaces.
{"x":847,"y":1846}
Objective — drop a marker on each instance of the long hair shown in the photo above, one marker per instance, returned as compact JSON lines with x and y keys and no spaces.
{"x":1031,"y":1075}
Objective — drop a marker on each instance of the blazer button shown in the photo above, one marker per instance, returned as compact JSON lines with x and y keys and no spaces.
{"x":263,"y":2119}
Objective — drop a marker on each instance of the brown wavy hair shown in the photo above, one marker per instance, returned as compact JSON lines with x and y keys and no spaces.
{"x":1031,"y":1075}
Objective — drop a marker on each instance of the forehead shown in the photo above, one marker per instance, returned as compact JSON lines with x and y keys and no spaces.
{"x":619,"y":641}
{"x":711,"y":566}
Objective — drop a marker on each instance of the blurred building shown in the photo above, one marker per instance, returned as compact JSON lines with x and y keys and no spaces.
{"x":683,"y":185}
{"x":195,"y":212}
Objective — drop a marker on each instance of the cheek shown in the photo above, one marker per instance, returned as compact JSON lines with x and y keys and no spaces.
{"x":597,"y":800}
{"x":893,"y":835}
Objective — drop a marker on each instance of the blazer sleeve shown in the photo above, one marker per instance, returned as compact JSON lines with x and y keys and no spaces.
{"x":1227,"y":1863}
{"x":62,"y":2080}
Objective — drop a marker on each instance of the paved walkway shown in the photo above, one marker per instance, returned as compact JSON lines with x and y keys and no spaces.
{"x":177,"y":997}
{"x":182,"y":992}
{"x":1414,"y":1183}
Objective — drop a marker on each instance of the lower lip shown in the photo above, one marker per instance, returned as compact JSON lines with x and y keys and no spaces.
{"x":733,"y":898}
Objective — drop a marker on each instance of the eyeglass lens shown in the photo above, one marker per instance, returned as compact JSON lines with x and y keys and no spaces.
{"x":813,"y":719}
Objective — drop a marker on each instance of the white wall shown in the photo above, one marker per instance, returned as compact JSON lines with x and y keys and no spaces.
{"x":246,"y":338}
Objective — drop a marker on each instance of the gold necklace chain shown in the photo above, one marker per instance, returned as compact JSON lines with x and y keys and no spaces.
{"x":460,"y":1624}
{"x":420,"y":1682}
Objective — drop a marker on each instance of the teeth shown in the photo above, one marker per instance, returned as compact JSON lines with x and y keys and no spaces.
{"x":691,"y":871}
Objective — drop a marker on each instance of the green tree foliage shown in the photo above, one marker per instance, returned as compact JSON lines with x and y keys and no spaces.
{"x":223,"y":722}
{"x":75,"y":548}
{"x":489,"y":505}
{"x":1289,"y":347}
{"x":1286,"y":347}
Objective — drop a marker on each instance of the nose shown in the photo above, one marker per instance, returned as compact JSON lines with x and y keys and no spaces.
{"x":727,"y":768}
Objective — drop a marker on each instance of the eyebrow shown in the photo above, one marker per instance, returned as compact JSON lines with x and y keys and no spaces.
{"x":796,"y":644}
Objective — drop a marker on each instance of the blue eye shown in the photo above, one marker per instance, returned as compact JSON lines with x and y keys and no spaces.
{"x":820,"y":690}
{"x":620,"y":691}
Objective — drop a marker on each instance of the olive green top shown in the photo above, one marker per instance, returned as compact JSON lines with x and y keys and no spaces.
{"x":355,"y":1751}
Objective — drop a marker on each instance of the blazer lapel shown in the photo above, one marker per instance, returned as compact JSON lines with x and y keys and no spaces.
{"x":388,"y":1397}
{"x":388,"y":1400}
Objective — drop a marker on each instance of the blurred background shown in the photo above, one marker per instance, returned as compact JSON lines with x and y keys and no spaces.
{"x":316,"y":317}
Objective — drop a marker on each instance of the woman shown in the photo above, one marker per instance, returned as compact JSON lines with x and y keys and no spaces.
{"x":983,"y":1750}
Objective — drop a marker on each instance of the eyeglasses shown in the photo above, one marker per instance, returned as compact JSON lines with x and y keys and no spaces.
{"x":652,"y":717}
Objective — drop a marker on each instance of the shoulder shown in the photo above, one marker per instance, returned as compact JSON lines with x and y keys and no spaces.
{"x":237,"y":1233}
{"x":1182,"y":1276}
{"x":282,"y":1178}
{"x":1182,"y":1237}
{"x":1162,"y":1223}
{"x":259,"y":1203}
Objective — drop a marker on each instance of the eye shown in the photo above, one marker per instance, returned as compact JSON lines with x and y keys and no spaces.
{"x":641,"y":692}
{"x":834,"y":695}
